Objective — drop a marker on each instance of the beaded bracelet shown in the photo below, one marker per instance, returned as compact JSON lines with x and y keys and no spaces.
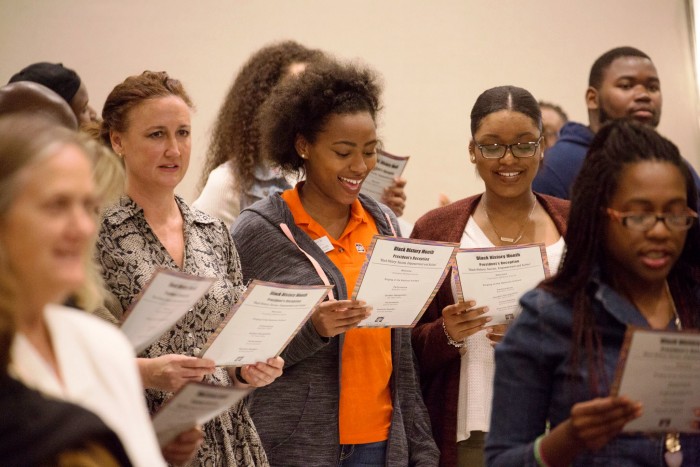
{"x":451,"y":341}
{"x":538,"y":452}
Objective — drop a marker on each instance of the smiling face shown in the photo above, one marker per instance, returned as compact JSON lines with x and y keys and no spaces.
{"x":336,"y":164}
{"x":156,"y":144}
{"x":645,"y":258}
{"x":507,"y":177}
{"x":47,"y":231}
{"x":630,"y":88}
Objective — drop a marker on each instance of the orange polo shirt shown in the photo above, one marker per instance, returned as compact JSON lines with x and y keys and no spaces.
{"x":365,"y":396}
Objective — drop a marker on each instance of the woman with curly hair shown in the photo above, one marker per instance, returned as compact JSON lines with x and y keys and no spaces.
{"x":348,"y":396}
{"x":235,"y":173}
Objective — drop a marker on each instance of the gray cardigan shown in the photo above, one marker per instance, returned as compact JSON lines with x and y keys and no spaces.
{"x":297,"y":415}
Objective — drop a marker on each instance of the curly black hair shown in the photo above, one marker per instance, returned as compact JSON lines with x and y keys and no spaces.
{"x":302,"y":106}
{"x":236,"y":136}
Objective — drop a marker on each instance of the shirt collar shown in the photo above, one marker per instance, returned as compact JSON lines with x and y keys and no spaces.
{"x":616,"y":305}
{"x":126,"y":208}
{"x":358,"y":214}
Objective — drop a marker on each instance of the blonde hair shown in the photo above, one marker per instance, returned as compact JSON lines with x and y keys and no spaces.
{"x":25,"y":140}
{"x":109,"y":175}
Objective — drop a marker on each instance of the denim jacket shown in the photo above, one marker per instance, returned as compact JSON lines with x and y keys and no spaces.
{"x":534,"y":382}
{"x":267,"y":181}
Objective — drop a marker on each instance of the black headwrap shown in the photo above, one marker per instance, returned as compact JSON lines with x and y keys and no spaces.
{"x":63,"y":81}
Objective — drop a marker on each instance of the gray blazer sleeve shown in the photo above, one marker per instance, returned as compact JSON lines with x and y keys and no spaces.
{"x":266,"y":254}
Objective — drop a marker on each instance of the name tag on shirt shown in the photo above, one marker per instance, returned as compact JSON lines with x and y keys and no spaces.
{"x":324,"y":244}
{"x":360,"y":247}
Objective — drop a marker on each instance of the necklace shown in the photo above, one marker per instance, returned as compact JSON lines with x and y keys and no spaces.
{"x":673,"y":455}
{"x":519,"y":235}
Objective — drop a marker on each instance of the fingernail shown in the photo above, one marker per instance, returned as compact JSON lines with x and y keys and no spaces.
{"x":471,"y":303}
{"x":485,"y":309}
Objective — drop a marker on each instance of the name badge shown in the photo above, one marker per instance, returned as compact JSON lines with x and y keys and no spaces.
{"x":324,"y":244}
{"x":360,"y":247}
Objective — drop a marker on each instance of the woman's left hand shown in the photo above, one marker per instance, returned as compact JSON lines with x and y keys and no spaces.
{"x":263,"y":373}
{"x":395,"y":196}
{"x":183,"y":448}
{"x":496,"y":333}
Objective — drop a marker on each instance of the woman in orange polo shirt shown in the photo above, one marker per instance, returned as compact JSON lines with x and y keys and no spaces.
{"x":347,"y":396}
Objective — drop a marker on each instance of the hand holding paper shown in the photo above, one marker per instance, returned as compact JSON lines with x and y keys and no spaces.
{"x":335,"y":317}
{"x":170,"y":372}
{"x":183,"y":448}
{"x":461,"y":320}
{"x":596,"y":422}
{"x":262,"y":373}
{"x":394,"y":196}
{"x":389,"y":168}
{"x":496,"y":333}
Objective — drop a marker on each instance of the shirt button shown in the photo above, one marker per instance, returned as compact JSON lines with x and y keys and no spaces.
{"x":340,"y":249}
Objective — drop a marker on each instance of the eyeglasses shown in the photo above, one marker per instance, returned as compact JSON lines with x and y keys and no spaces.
{"x":519,"y":150}
{"x":643,"y":221}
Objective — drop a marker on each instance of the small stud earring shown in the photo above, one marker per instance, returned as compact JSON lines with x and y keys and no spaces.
{"x":303,"y":156}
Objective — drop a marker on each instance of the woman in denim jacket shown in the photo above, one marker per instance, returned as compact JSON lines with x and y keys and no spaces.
{"x":632,"y":259}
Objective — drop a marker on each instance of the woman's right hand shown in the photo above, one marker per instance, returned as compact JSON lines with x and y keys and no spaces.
{"x":172,"y":371}
{"x":591,"y":425}
{"x":334,"y":317}
{"x":596,"y":422}
{"x":183,"y":448}
{"x":462,"y":320}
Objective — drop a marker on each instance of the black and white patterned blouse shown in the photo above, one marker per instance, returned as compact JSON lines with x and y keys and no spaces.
{"x":129,"y":253}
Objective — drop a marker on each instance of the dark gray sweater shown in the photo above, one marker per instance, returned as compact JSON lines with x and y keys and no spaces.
{"x":297,"y":415}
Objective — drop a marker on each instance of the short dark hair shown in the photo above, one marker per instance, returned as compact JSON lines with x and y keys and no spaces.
{"x":505,"y":98}
{"x":61,"y":80}
{"x":556,"y":108}
{"x":595,"y":79}
{"x":616,"y":145}
{"x":302,"y":106}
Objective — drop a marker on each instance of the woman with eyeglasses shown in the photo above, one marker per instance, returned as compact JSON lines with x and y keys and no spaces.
{"x":454,"y":344}
{"x":632,"y":259}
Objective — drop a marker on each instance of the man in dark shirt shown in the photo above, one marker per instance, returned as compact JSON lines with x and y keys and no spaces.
{"x":623,"y":83}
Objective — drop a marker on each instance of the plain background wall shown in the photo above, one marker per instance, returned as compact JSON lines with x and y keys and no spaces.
{"x":435,"y":57}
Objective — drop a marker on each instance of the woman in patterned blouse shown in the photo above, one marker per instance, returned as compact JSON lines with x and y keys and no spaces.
{"x":146,"y":120}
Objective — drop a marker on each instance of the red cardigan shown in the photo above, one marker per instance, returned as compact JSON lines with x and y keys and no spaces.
{"x":439,"y":362}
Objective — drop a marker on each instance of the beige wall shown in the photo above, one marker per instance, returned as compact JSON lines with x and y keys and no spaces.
{"x":435,"y":56}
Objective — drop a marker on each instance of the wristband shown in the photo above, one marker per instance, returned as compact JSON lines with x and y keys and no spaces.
{"x":538,"y":452}
{"x":239,"y":376}
{"x":451,"y":341}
